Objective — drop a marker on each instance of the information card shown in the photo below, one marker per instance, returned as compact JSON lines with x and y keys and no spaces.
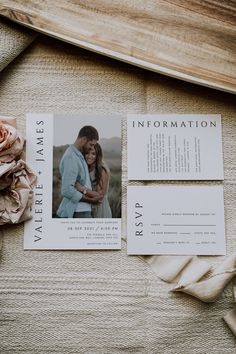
{"x":175,"y":147}
{"x":187,"y":220}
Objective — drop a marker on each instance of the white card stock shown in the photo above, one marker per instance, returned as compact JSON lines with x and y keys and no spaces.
{"x":174,"y":147}
{"x":187,"y":220}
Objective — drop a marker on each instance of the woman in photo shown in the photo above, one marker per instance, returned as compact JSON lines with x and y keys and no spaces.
{"x":100,"y":176}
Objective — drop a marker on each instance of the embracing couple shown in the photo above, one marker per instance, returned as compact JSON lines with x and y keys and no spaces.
{"x":84,"y":178}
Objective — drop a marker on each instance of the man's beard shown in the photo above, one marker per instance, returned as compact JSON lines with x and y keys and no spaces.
{"x":85,"y":150}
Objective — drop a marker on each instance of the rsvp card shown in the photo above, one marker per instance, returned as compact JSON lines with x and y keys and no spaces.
{"x":174,"y":147}
{"x":180,"y":220}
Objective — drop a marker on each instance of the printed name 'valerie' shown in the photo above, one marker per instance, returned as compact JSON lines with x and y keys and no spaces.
{"x":40,"y":141}
{"x":38,"y":211}
{"x":174,"y":124}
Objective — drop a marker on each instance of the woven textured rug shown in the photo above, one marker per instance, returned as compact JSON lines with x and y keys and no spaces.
{"x":103,"y":301}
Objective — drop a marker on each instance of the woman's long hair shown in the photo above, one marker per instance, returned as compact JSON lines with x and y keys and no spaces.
{"x":100,"y":165}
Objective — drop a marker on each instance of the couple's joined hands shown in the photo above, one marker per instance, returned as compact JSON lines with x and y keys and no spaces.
{"x":92,"y":197}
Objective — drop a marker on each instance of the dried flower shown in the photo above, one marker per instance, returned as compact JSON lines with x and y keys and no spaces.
{"x":11,"y":142}
{"x":16,"y":192}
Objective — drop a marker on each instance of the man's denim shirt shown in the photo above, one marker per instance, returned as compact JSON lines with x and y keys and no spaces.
{"x":73,"y":167}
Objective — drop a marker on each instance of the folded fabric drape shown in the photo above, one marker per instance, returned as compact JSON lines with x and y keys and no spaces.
{"x":13,"y":40}
{"x":196,"y":277}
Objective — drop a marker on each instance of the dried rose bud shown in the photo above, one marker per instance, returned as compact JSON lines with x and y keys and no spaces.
{"x":16,"y":196}
{"x":11,"y":142}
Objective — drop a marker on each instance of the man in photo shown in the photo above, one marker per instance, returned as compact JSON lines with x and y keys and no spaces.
{"x":73,"y":168}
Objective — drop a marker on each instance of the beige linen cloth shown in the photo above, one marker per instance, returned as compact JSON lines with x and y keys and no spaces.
{"x":104,"y":301}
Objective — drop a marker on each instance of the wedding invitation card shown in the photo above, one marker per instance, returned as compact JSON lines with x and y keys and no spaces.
{"x":174,"y":147}
{"x":77,"y":199}
{"x":168,"y":219}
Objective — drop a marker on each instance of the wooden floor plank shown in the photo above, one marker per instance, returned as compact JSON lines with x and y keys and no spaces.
{"x":190,"y":40}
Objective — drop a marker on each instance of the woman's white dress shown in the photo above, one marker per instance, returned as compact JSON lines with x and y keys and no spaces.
{"x":102,"y":210}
